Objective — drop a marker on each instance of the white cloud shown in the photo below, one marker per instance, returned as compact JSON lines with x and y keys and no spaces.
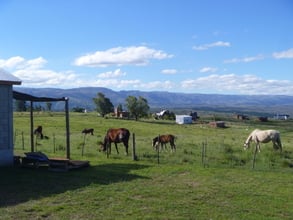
{"x":158,"y":85}
{"x":211,"y":45}
{"x":32,"y":72}
{"x":18,"y":62}
{"x":244,"y":84}
{"x":284,"y":54}
{"x":245,"y":59}
{"x":114,"y":83}
{"x":132,"y":84}
{"x":169,"y":71}
{"x":119,"y":56}
{"x":112,"y":74}
{"x":208,"y":70}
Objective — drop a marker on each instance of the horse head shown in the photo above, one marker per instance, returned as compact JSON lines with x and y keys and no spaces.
{"x":155,"y":142}
{"x":103,"y":146}
{"x":246,"y":145}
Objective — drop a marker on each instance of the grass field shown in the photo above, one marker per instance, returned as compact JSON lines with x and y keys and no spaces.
{"x":181,"y":186}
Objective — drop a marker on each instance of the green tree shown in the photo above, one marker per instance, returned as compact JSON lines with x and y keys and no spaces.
{"x":138,"y":107}
{"x":103,"y":104}
{"x":49,"y":106}
{"x":20,"y":106}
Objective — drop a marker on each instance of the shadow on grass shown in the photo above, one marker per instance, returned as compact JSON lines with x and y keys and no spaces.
{"x":19,"y":185}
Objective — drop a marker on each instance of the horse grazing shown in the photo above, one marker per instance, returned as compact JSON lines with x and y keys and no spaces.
{"x":88,"y":131}
{"x":163,"y":140}
{"x":264,"y":136}
{"x":39,"y":132}
{"x":115,"y":135}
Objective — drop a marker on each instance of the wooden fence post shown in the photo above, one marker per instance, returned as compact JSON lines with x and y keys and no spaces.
{"x":158,"y":150}
{"x":254,"y":156}
{"x":108,"y":145}
{"x":82,"y":150}
{"x":22,"y":139}
{"x":54,"y":143}
{"x":14,"y":138}
{"x":203,"y":153}
{"x":134,"y":157}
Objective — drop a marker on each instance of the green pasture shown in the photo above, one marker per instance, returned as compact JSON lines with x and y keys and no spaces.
{"x":181,"y":185}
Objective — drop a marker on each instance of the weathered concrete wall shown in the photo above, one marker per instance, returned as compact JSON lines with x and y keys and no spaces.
{"x":6,"y":125}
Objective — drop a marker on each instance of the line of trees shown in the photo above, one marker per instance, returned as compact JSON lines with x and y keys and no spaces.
{"x":22,"y":106}
{"x":137,"y":107}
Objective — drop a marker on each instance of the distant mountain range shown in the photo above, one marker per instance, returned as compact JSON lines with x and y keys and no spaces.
{"x":180,"y":102}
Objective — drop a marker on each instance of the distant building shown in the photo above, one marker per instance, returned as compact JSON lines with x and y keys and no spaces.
{"x":183,"y":119}
{"x":6,"y":121}
{"x":281,"y":116}
{"x":194,"y":116}
{"x":217,"y":124}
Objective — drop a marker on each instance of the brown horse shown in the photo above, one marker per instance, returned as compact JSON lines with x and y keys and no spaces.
{"x":115,"y":135}
{"x":39,"y":132}
{"x":163,"y":140}
{"x":88,"y":131}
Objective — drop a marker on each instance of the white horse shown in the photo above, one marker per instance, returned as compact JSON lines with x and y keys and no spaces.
{"x":264,"y":136}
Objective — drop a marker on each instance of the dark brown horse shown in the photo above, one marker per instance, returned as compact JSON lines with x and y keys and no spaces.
{"x":39,"y":132}
{"x":115,"y":135}
{"x":163,"y":140}
{"x":88,"y":131}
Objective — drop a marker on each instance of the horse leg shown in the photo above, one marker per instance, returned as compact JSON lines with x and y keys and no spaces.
{"x":108,"y":148}
{"x":280,"y":144}
{"x":258,"y":146}
{"x":116,"y":148}
{"x":173,"y":147}
{"x":126,"y":147}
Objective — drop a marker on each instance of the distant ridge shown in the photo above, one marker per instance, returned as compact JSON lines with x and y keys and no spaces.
{"x":82,"y":97}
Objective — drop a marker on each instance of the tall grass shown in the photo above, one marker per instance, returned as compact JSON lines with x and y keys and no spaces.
{"x":180,"y":186}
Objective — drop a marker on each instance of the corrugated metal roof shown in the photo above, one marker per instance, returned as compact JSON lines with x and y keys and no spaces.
{"x":8,"y":79}
{"x":27,"y":97}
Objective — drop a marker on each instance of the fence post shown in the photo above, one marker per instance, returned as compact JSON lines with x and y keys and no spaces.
{"x":14,"y":138}
{"x":22,"y":139}
{"x":108,"y":145}
{"x":254,"y":156}
{"x":134,"y":157}
{"x":158,"y":149}
{"x":82,"y":150}
{"x":203,"y":153}
{"x":54,"y":143}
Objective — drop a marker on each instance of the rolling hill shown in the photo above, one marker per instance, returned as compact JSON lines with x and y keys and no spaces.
{"x":257,"y":104}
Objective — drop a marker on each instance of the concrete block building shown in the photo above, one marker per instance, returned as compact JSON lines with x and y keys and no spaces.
{"x":6,"y":117}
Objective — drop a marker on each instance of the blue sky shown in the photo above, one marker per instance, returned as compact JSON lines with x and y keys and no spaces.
{"x":190,"y":46}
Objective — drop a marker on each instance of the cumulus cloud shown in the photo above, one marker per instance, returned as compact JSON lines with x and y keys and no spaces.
{"x":119,"y":56}
{"x":284,"y":54}
{"x":208,"y":70}
{"x":32,"y":72}
{"x":115,"y":83}
{"x":245,"y":59}
{"x":211,"y":45}
{"x":133,"y":84}
{"x":158,"y":85}
{"x":18,"y":62}
{"x":112,"y":74}
{"x":244,"y":84}
{"x":169,"y":71}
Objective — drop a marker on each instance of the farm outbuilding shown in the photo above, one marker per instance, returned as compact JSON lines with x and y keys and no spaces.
{"x":183,"y":119}
{"x":6,"y":121}
{"x":217,"y":124}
